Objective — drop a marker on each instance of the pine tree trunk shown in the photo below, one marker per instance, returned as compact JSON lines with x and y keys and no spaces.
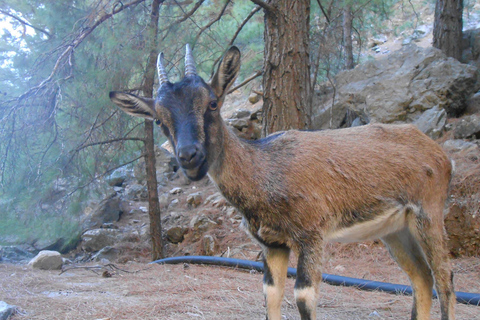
{"x":347,"y":36}
{"x":151,"y":172}
{"x":447,"y":27}
{"x":286,"y":78}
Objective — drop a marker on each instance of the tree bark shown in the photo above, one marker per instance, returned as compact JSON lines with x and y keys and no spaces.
{"x":447,"y":27}
{"x":347,"y":36}
{"x":150,"y":168}
{"x":286,"y":78}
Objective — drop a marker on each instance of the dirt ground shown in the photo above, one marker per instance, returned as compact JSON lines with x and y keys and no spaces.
{"x":143,"y":291}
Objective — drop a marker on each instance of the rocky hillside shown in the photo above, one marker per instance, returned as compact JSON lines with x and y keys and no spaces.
{"x":412,"y":85}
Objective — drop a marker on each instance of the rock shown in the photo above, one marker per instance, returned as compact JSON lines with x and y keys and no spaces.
{"x":216,"y":200}
{"x":47,"y":260}
{"x":208,"y":245}
{"x":378,"y":40}
{"x":6,"y":310}
{"x":108,"y":253}
{"x":57,"y":244}
{"x":176,"y":234}
{"x":194,"y":199}
{"x":119,"y":176}
{"x":254,"y":98}
{"x":238,"y":124}
{"x":398,"y":88}
{"x":176,"y":190}
{"x":459,"y":145}
{"x":108,"y":210}
{"x":97,"y":239}
{"x":241,"y":113}
{"x":16,"y":254}
{"x":201,"y":222}
{"x":174,"y":203}
{"x":173,"y":218}
{"x":432,"y":122}
{"x":135,"y":192}
{"x":163,"y":200}
{"x":473,"y":104}
{"x":468,"y":127}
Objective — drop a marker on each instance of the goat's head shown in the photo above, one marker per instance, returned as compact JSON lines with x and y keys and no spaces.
{"x":187,"y":111}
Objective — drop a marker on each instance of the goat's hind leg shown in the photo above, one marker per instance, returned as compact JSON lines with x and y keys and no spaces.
{"x":276,"y":266}
{"x":431,"y":235}
{"x":410,"y":257}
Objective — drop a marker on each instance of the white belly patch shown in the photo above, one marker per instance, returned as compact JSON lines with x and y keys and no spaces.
{"x":389,"y":222}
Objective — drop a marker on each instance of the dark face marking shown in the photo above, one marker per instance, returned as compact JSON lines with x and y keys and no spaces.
{"x":182,"y":109}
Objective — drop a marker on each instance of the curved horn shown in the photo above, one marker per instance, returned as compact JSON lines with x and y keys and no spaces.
{"x":190,"y":69}
{"x":162,"y":74}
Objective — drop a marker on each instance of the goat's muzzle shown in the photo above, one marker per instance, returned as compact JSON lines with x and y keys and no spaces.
{"x":193,"y":161}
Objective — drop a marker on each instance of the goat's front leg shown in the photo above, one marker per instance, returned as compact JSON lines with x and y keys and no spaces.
{"x":276,"y":265}
{"x":309,"y":275}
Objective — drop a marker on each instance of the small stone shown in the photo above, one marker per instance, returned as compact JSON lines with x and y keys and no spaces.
{"x":6,"y":310}
{"x":194,"y":199}
{"x":176,"y":190}
{"x":254,"y":98}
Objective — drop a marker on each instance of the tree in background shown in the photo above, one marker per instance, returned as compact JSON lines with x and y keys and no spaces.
{"x":447,"y":27}
{"x":286,"y":77}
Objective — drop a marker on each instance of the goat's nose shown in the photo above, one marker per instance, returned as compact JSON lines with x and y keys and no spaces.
{"x":187,"y":154}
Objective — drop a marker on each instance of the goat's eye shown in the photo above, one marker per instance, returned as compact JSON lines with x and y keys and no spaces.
{"x":213,"y":105}
{"x":158,"y":122}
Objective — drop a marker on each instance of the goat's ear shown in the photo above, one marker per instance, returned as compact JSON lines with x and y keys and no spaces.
{"x":133,"y":105}
{"x":226,"y":73}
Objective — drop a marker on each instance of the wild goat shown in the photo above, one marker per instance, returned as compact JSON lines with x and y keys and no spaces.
{"x":297,"y":190}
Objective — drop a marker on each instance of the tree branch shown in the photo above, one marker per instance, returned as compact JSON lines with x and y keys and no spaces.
{"x":107,"y":142}
{"x":25,"y":23}
{"x":256,"y":75}
{"x":323,"y":11}
{"x":244,"y":22}
{"x":265,"y":6}
{"x":75,"y":42}
{"x":208,"y":25}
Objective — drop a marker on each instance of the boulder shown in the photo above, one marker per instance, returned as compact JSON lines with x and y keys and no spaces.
{"x":108,"y":210}
{"x":119,"y":176}
{"x":176,"y":234}
{"x":97,"y":239}
{"x":468,"y":127}
{"x":458,"y":145}
{"x":135,"y":192}
{"x":47,"y":260}
{"x":398,"y":88}
{"x":432,"y":122}
{"x":6,"y":310}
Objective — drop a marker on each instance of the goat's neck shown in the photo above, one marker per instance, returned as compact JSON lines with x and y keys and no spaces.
{"x":235,"y":159}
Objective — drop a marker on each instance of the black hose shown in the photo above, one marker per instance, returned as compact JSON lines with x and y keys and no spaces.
{"x":462,"y":297}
